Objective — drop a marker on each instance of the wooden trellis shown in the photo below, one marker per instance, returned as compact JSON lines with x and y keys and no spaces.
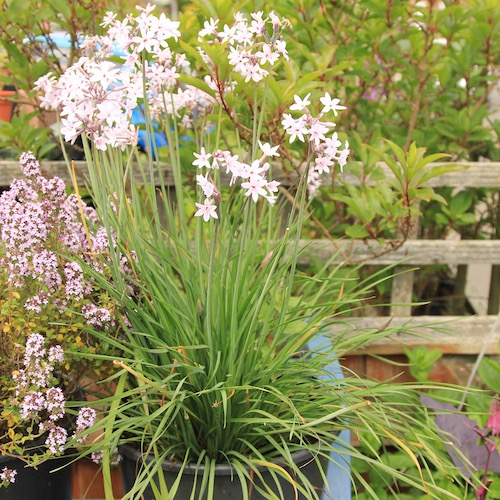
{"x":456,"y":334}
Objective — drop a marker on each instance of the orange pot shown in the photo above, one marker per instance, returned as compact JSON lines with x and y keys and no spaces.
{"x":6,"y":106}
{"x":88,"y":481}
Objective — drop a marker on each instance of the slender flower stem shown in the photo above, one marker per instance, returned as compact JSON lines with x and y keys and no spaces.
{"x":80,"y":205}
{"x":213,"y":251}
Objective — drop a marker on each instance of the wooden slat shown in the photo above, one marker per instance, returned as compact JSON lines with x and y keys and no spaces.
{"x":477,"y":174}
{"x":451,"y":334}
{"x":468,"y":174}
{"x":413,"y":252}
{"x":10,"y":170}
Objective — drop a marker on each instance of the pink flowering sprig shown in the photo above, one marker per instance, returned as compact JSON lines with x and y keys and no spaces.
{"x":252,"y":177}
{"x":7,"y":476}
{"x":323,"y":149}
{"x":490,"y":440}
{"x":52,"y":247}
{"x":38,"y":403}
{"x":38,"y":400}
{"x":43,"y":242}
{"x":86,"y":419}
{"x":494,"y":416}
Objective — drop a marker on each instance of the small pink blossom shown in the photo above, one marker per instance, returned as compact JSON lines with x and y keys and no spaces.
{"x":206,"y":210}
{"x":267,"y":150}
{"x":207,"y":186}
{"x":317,"y":132}
{"x":330,"y":104}
{"x":255,"y":187}
{"x":8,"y":475}
{"x":300,"y":104}
{"x":494,"y":416}
{"x":202,"y":159}
{"x":297,"y":129}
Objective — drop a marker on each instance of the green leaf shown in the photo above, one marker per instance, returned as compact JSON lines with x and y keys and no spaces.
{"x":489,"y":371}
{"x":196,"y":82}
{"x":466,"y":219}
{"x":461,"y":202}
{"x":357,"y":231}
{"x":190,"y":50}
{"x":62,"y":7}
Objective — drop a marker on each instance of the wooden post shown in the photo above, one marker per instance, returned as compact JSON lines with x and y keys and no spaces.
{"x":402,"y":284}
{"x":494,"y":298}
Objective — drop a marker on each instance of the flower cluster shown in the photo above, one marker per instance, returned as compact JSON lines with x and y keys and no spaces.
{"x":116,"y":458}
{"x":44,"y":233}
{"x":38,"y":398}
{"x":308,"y":128}
{"x":39,"y":401}
{"x":253,"y":177}
{"x":7,"y":476}
{"x":97,"y":97}
{"x":253,"y":45}
{"x":86,"y":418}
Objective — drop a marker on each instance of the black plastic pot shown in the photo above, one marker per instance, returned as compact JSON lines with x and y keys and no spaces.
{"x":227,"y":483}
{"x":39,"y":483}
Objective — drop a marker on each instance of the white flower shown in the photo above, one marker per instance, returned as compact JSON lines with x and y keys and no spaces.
{"x":255,"y":187}
{"x":440,"y":41}
{"x":300,"y":104}
{"x":202,"y":159}
{"x":267,"y":150}
{"x":209,"y":27}
{"x":330,"y":104}
{"x":295,"y":128}
{"x":206,"y":210}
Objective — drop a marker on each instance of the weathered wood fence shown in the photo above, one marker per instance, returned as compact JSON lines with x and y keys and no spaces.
{"x":456,"y":335}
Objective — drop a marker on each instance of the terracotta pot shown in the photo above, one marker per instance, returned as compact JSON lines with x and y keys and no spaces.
{"x":6,"y":106}
{"x":88,"y":480}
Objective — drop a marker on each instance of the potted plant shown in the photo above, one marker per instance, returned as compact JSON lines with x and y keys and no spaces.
{"x":45,"y":234}
{"x":221,"y":379}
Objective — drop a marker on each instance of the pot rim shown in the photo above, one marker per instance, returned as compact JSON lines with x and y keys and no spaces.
{"x":300,"y":457}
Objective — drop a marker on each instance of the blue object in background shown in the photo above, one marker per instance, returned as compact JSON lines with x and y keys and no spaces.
{"x":338,"y":476}
{"x":159,"y":140}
